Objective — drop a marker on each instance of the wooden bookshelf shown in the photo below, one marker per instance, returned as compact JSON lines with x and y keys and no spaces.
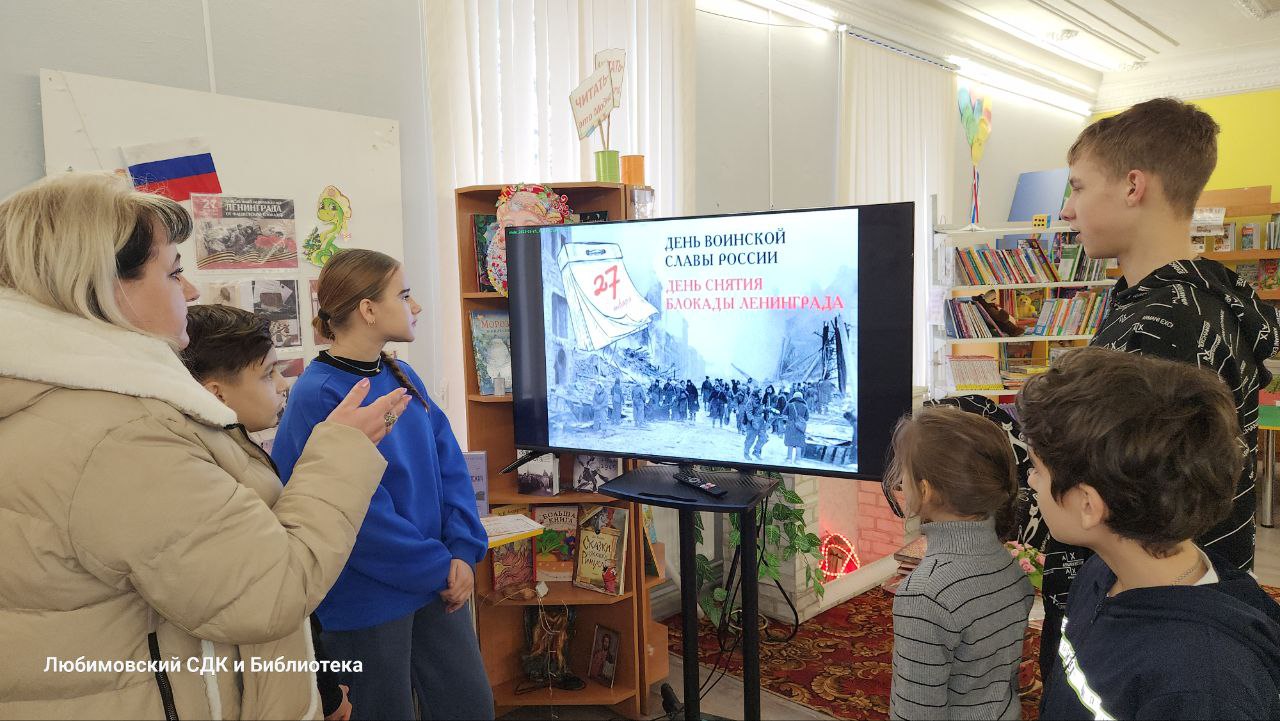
{"x":1019,"y":339}
{"x":976,"y":289}
{"x":489,"y":422}
{"x":479,"y":398}
{"x":1245,"y":211}
{"x":1232,"y":256}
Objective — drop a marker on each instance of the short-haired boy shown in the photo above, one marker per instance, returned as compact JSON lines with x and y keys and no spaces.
{"x":232,"y":356}
{"x":1133,"y":458}
{"x":1135,"y":179}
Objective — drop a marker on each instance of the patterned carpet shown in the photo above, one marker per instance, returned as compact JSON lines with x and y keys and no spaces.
{"x":841,"y":661}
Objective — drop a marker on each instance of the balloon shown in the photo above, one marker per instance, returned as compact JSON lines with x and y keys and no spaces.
{"x":975,"y":150}
{"x":970,"y":129}
{"x":977,"y":106}
{"x":979,"y":144}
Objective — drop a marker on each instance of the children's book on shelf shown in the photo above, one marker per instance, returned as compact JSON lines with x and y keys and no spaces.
{"x":556,"y":548}
{"x":1269,"y":274}
{"x":491,"y":348}
{"x":1080,"y":314}
{"x":975,"y":372}
{"x":509,"y":528}
{"x":1250,"y":237}
{"x":602,"y":549}
{"x":650,"y":525}
{"x":483,"y":228}
{"x":1248,"y":272}
{"x":478,"y":468}
{"x":539,"y":477}
{"x":512,"y":562}
{"x":591,"y":472}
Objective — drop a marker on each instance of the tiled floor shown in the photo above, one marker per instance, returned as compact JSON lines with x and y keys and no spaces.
{"x":726,"y":698}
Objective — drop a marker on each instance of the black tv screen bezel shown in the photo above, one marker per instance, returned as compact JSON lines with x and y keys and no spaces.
{"x":884,"y":351}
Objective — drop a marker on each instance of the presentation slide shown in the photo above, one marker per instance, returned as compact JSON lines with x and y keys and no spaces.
{"x":728,"y":339}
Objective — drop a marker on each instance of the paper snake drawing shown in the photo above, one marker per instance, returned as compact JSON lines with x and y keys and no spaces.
{"x":334,"y":208}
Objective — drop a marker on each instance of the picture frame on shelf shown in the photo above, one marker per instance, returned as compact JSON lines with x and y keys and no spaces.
{"x":603,"y":666}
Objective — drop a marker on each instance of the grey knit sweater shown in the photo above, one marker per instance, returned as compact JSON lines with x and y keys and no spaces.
{"x":958,"y":625}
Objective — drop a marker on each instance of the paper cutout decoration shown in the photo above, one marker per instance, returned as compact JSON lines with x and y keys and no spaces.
{"x":616,"y":60}
{"x":520,"y":205}
{"x":174,"y":169}
{"x":333,"y":208}
{"x":592,"y":101}
{"x":604,"y":304}
{"x":975,"y":118}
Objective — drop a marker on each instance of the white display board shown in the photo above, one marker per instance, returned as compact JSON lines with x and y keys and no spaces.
{"x":260,"y":149}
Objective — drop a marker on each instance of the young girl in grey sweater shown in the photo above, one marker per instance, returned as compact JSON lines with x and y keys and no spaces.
{"x":960,"y":617}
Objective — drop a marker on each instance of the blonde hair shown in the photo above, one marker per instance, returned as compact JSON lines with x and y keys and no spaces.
{"x":68,"y":239}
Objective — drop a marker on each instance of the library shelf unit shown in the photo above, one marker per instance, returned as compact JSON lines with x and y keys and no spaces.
{"x":975,"y":289}
{"x":642,"y":655}
{"x":1232,"y":256}
{"x":1017,"y":339}
{"x":1244,"y":203}
{"x":943,"y":278}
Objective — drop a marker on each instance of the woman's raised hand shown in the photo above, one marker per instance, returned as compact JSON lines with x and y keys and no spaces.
{"x":374,"y":420}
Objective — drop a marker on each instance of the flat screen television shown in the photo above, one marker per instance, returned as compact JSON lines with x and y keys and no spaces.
{"x":776,"y":341}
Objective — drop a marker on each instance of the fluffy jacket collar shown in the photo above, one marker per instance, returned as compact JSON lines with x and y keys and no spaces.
{"x":46,"y":345}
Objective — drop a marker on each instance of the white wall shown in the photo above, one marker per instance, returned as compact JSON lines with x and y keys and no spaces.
{"x":761,"y":86}
{"x":1026,"y":135}
{"x":361,"y":58}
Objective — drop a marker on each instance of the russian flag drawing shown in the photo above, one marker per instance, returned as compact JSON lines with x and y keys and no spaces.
{"x":175,"y":168}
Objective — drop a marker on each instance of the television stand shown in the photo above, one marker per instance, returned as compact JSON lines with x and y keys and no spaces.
{"x":658,"y":486}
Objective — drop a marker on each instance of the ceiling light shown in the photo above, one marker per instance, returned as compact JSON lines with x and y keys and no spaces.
{"x":1258,"y":9}
{"x":986,"y":75}
{"x":1032,"y":68}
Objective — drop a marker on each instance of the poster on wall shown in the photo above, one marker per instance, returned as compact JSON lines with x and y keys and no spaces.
{"x":277,"y":301}
{"x":243,"y":233}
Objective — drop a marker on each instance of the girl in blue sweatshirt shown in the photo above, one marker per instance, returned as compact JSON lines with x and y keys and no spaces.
{"x":395,"y":607}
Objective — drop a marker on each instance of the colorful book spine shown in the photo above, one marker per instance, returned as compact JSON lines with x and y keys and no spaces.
{"x":602,"y":549}
{"x":513,"y":562}
{"x":556,"y":548}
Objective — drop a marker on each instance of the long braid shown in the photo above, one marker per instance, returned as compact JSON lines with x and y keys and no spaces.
{"x":403,"y":379}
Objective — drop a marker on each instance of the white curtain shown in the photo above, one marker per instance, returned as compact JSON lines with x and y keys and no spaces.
{"x":498,"y":75}
{"x":896,"y":144}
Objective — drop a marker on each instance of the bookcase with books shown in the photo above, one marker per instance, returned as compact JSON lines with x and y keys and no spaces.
{"x":1240,"y":228}
{"x":611,"y":589}
{"x":1011,"y":298}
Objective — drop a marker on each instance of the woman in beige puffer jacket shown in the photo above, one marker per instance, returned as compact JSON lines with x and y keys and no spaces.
{"x":135,"y":522}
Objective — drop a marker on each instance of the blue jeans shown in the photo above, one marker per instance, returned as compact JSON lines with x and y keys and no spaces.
{"x":429,"y":653}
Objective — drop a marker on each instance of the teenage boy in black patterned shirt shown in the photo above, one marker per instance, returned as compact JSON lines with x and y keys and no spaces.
{"x":1135,"y":179}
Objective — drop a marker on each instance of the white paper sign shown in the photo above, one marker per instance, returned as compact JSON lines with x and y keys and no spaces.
{"x":616,"y":60}
{"x":592,"y":101}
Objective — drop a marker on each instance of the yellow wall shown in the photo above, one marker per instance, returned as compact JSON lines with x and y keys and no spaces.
{"x":1249,"y":145}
